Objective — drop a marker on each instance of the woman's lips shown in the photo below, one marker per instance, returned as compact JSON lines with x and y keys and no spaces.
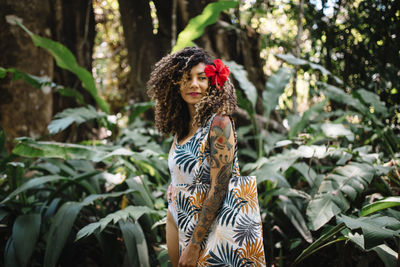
{"x":194,"y":94}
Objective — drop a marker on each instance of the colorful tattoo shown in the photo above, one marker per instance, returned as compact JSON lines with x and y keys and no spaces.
{"x":222,"y":153}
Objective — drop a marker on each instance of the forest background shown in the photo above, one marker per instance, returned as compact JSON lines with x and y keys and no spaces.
{"x":83,"y":172}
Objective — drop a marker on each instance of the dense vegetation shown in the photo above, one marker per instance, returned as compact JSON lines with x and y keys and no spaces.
{"x":328,"y":183}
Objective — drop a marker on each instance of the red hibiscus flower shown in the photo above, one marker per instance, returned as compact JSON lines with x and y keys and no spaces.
{"x":218,"y":72}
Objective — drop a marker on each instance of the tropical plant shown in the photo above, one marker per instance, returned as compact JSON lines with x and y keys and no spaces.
{"x":318,"y":180}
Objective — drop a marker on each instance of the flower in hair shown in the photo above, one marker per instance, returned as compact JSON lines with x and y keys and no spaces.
{"x":218,"y":72}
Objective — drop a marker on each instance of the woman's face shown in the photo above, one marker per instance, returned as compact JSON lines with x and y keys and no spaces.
{"x":195,"y":86}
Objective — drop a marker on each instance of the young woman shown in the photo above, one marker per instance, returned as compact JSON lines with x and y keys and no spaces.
{"x":194,"y":101}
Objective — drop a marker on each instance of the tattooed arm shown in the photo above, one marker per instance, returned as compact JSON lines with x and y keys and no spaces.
{"x":222,"y":148}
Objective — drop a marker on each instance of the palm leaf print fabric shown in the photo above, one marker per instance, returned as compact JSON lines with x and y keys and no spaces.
{"x":186,"y":155}
{"x":235,"y":237}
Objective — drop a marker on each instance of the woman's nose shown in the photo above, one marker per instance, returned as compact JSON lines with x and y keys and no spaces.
{"x":194,"y":83}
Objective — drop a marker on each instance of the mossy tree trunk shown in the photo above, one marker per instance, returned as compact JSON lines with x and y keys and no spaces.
{"x":24,"y":110}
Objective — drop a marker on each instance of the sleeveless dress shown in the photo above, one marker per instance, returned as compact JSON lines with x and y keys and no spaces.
{"x":232,"y":240}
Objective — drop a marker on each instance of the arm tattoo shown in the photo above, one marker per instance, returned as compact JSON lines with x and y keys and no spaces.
{"x":221,"y":146}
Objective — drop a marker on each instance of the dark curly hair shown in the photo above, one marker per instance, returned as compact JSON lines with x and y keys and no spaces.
{"x":171,"y":111}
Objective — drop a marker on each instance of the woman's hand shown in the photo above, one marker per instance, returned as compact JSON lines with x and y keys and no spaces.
{"x":190,"y":256}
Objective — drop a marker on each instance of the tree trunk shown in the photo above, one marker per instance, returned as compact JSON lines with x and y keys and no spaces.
{"x":73,"y":26}
{"x":144,"y":47}
{"x":24,"y":110}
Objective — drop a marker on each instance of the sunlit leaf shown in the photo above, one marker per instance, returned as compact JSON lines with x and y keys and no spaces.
{"x":334,"y":130}
{"x":196,"y":25}
{"x":386,"y":203}
{"x":28,"y":148}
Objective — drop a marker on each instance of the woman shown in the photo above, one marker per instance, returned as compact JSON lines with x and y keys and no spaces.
{"x":194,"y":101}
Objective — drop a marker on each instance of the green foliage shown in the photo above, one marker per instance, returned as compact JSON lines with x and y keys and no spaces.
{"x":132,"y":212}
{"x":328,"y":156}
{"x":41,"y":83}
{"x":274,"y":88}
{"x":240,"y":75}
{"x":348,"y":180}
{"x":196,"y":25}
{"x":25,"y":234}
{"x":386,"y":203}
{"x":75,"y":186}
{"x":73,"y":115}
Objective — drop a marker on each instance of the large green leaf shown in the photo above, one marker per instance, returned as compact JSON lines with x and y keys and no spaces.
{"x":59,"y":231}
{"x":10,"y":257}
{"x":127,"y":229}
{"x":274,"y":88}
{"x":196,"y":25}
{"x":376,"y":228}
{"x":28,"y":148}
{"x":308,"y":173}
{"x":345,"y":181}
{"x":134,"y":212}
{"x":272,"y":167}
{"x":373,"y":99}
{"x":308,"y":116}
{"x":66,"y":60}
{"x":340,"y":96}
{"x":135,"y":243}
{"x":42,"y":83}
{"x":295,"y":216}
{"x":33,"y":80}
{"x":73,"y":115}
{"x":386,"y":203}
{"x":387,"y":255}
{"x":289,"y":58}
{"x":321,"y":242}
{"x":142,"y":195}
{"x":62,"y":223}
{"x":240,"y":75}
{"x":335,"y":130}
{"x":34,"y":182}
{"x":25,"y":234}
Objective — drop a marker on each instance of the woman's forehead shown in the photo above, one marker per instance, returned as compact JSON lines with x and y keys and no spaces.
{"x":198,"y":69}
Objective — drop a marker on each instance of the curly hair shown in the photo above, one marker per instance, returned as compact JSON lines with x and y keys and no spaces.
{"x":171,"y":111}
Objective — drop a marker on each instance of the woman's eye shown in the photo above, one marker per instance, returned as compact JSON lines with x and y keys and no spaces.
{"x":203,"y":78}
